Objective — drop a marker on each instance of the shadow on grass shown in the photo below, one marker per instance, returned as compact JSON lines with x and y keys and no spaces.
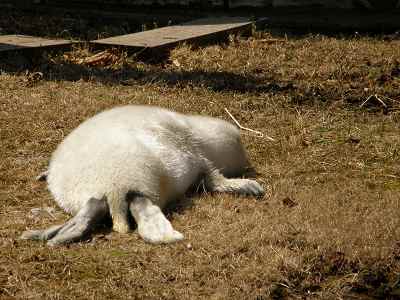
{"x":132,"y":75}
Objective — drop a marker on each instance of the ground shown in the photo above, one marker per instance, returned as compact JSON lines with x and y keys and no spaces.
{"x":328,"y":227}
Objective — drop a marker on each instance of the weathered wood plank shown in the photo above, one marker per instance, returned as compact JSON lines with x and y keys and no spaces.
{"x":17,"y":42}
{"x":172,"y":35}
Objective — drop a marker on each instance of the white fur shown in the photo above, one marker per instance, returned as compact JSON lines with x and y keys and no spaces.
{"x":141,"y":148}
{"x":155,"y":153}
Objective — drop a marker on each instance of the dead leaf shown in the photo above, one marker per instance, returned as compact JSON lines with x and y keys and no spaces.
{"x":289,"y":202}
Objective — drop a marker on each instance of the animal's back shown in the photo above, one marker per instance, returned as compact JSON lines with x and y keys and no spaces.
{"x":126,"y":148}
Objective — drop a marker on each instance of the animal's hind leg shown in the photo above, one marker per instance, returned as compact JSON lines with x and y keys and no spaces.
{"x":153,"y":226}
{"x":74,"y":229}
{"x":119,"y":210}
{"x":216,"y":182}
{"x":41,"y":235}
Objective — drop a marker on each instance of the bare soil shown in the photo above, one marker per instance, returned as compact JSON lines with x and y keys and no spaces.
{"x":328,"y":227}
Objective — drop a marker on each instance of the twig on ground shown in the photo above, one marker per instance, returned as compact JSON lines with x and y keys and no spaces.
{"x":391,"y":176}
{"x":377,"y":98}
{"x":259,"y":133}
{"x":282,"y":284}
{"x":271,"y":41}
{"x":374,"y":96}
{"x":394,"y":102}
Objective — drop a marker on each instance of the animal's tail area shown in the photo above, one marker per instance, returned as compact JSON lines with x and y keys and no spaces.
{"x":118,"y":203}
{"x":42,"y":176}
{"x":75,"y":229}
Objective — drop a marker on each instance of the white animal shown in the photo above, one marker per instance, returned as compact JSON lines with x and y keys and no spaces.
{"x":136,"y":159}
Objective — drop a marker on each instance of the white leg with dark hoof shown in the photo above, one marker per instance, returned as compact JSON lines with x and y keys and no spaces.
{"x":153,"y":226}
{"x":216,"y":182}
{"x":75,"y":229}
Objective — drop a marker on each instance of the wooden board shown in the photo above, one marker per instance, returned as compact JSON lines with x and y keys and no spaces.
{"x":172,"y":35}
{"x":18,"y":42}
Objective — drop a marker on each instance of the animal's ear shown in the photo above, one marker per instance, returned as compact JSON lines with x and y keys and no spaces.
{"x":42,"y":176}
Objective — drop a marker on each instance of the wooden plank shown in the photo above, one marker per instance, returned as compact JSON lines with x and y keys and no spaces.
{"x":117,"y":3}
{"x":172,"y":35}
{"x":17,"y":42}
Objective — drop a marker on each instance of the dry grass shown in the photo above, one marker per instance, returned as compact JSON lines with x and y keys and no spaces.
{"x":329,"y":227}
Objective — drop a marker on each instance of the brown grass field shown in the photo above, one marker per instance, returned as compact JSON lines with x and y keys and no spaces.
{"x":328,"y":227}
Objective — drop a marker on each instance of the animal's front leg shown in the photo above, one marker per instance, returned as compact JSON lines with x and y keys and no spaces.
{"x":216,"y":182}
{"x":153,"y":226}
{"x":74,"y":229}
